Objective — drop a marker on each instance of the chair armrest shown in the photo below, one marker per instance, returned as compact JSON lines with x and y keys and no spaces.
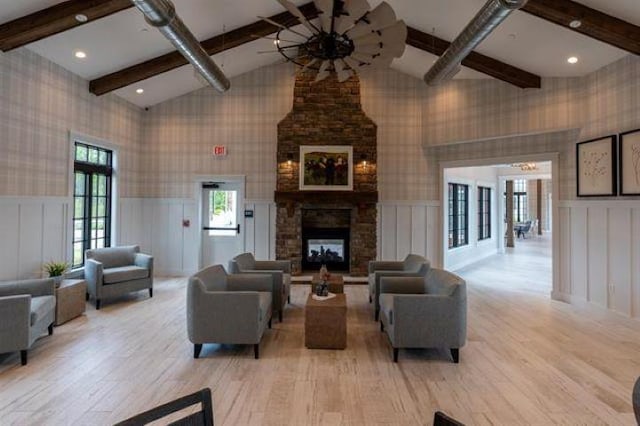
{"x":270,"y":265}
{"x":249,"y":282}
{"x":144,"y":261}
{"x":382,"y":265}
{"x":276,"y":275}
{"x":93,"y":276}
{"x":37,"y":287}
{"x":15,"y":317}
{"x":402,"y":285}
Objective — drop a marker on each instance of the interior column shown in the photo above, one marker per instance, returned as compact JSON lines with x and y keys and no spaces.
{"x":509,"y":207}
{"x":539,"y":204}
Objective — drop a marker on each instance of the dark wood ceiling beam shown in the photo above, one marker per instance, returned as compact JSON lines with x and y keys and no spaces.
{"x":217,"y":44}
{"x":475,"y":61}
{"x":54,"y":20}
{"x":595,"y":24}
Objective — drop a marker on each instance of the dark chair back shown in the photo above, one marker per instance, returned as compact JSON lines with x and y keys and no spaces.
{"x":636,"y":400}
{"x":441,"y":419}
{"x":204,"y":417}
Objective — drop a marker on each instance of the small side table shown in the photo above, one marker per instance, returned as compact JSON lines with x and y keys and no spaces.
{"x":325,"y":323}
{"x":70,"y":300}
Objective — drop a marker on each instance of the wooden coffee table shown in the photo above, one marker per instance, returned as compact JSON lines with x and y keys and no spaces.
{"x":325,"y":323}
{"x":70,"y":300}
{"x":335,"y":283}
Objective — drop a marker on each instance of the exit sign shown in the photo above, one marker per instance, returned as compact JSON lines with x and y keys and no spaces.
{"x":220,"y":151}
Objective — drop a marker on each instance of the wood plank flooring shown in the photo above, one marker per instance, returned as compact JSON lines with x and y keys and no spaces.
{"x":528,"y":360}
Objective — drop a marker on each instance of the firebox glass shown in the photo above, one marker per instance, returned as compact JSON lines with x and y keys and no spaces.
{"x":325,"y":250}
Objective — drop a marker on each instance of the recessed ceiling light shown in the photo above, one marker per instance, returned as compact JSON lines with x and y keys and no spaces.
{"x":81,"y":17}
{"x":572,"y":59}
{"x":80,"y":54}
{"x":140,"y":91}
{"x":575,"y":23}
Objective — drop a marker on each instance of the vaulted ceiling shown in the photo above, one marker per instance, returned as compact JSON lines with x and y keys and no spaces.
{"x":528,"y":44}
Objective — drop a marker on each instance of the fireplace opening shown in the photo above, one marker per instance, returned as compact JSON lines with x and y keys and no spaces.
{"x":325,"y":246}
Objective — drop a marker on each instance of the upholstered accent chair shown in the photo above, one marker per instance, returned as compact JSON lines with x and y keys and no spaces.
{"x":636,"y":400}
{"x":280,"y":271}
{"x":429,"y":312}
{"x":114,"y":271}
{"x":27,"y":309}
{"x":412,"y":266}
{"x":230,"y":309}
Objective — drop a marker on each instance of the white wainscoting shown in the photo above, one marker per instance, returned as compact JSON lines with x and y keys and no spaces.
{"x":156,"y":224}
{"x":409,"y":227}
{"x":33,"y":231}
{"x":599,"y":254}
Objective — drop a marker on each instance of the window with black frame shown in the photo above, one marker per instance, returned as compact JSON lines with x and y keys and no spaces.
{"x":484,"y":213}
{"x":93,"y":171}
{"x":458,"y":215}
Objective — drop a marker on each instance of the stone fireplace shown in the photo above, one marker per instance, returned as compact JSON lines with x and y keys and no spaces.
{"x":327,"y":113}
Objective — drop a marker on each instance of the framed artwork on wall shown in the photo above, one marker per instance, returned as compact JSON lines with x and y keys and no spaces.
{"x":596,"y":167}
{"x":629,"y":152}
{"x":326,"y":167}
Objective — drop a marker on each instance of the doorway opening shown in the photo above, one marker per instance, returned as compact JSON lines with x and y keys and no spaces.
{"x":221,"y":202}
{"x":498,"y":221}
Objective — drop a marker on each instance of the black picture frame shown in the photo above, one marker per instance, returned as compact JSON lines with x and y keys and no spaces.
{"x":596,"y":167}
{"x":627,"y":160}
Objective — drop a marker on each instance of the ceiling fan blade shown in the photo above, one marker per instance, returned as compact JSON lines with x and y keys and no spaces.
{"x":326,"y":13}
{"x":391,"y":40}
{"x":380,"y":17}
{"x":342,"y":70}
{"x":353,"y":10}
{"x":308,"y":64}
{"x":323,"y":71}
{"x":293,"y":9}
{"x":274,"y":23}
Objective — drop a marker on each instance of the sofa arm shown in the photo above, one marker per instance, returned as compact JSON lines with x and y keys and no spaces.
{"x":381,"y":265}
{"x":250,"y":282}
{"x":446,"y":317}
{"x":93,"y":276}
{"x":144,"y":261}
{"x":402,"y":285}
{"x":274,"y":265}
{"x":15,"y":315}
{"x":37,"y":287}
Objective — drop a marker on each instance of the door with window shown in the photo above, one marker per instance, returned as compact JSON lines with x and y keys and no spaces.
{"x":92,"y":171}
{"x":222,"y":236}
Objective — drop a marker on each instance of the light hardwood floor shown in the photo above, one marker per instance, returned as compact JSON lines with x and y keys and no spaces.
{"x":528,"y":360}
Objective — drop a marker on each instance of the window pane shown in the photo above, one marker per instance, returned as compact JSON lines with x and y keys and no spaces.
{"x":102,"y":185}
{"x":79,"y":186}
{"x":77,"y":254}
{"x":223,"y":212}
{"x":81,"y":153}
{"x":102,"y":207}
{"x":102,"y":157}
{"x":78,"y":207}
{"x":93,"y":155}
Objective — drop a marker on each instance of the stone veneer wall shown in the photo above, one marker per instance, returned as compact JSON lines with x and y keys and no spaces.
{"x":327,"y":113}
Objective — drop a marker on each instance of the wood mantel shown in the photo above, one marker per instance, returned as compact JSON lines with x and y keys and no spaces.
{"x":327,"y":197}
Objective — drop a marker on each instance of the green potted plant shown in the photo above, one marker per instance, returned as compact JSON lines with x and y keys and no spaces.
{"x":56,"y":270}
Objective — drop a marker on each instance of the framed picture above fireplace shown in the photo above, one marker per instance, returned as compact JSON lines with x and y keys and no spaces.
{"x":326,"y":167}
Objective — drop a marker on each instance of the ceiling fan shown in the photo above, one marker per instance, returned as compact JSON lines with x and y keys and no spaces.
{"x":347,"y":37}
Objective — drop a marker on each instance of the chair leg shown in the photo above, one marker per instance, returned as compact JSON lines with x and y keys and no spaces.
{"x":455,"y":354}
{"x":197,"y":347}
{"x":381,"y":326}
{"x":151,"y":292}
{"x":86,"y":297}
{"x":377,"y":315}
{"x":23,"y":357}
{"x":256,"y":350}
{"x":280,"y":315}
{"x":270,"y":322}
{"x":370,"y":299}
{"x":50,"y":329}
{"x":289,"y":299}
{"x":97,"y":304}
{"x":395,"y":354}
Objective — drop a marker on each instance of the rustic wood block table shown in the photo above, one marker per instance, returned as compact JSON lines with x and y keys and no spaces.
{"x":335,"y":283}
{"x":70,"y":300}
{"x":325,"y":323}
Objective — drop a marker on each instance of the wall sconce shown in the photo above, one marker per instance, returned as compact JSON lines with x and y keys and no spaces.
{"x":363,"y":159}
{"x":289,"y":158}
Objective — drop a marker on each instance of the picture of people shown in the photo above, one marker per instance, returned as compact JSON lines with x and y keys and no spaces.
{"x":326,"y":167}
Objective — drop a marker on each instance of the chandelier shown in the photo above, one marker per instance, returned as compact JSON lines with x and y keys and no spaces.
{"x":526,"y":167}
{"x":346,"y":38}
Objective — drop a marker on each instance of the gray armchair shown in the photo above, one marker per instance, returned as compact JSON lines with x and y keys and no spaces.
{"x":223,"y":308}
{"x":280,"y":271}
{"x":114,"y":271}
{"x":27,"y":309}
{"x":412,"y":266}
{"x":428,"y":312}
{"x":636,"y":400}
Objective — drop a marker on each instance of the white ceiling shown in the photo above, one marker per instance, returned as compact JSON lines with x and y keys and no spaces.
{"x":124,"y":39}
